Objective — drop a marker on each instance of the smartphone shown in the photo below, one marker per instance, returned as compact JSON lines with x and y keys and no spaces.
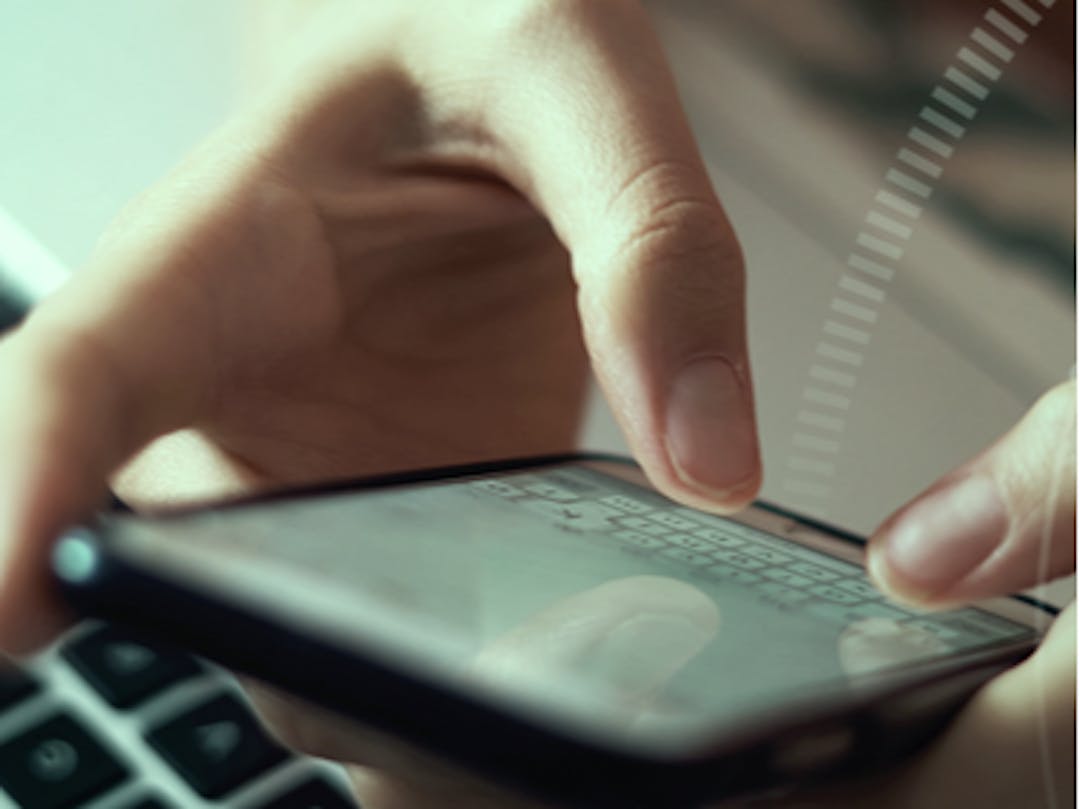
{"x":557,"y":625}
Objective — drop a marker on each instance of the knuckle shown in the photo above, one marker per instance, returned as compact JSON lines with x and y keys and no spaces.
{"x":1057,"y":408}
{"x":677,"y":269}
{"x":682,"y":228}
{"x":523,"y":24}
{"x":538,"y":33}
{"x":678,"y":223}
{"x":1038,"y":457}
{"x":530,"y":19}
{"x":1046,"y":436}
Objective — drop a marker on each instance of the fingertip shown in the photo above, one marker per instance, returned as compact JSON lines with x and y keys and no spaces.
{"x":716,"y":501}
{"x":690,"y":493}
{"x":711,"y":435}
{"x":891,"y":585}
{"x":927,"y":553}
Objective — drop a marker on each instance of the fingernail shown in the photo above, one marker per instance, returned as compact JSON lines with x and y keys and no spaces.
{"x":941,"y":539}
{"x":710,"y":428}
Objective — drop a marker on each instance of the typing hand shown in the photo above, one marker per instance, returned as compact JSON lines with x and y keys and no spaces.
{"x":1002,"y":522}
{"x":403,"y":253}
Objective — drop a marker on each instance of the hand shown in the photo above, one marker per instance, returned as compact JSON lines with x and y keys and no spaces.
{"x":1002,"y":522}
{"x":374,"y":266}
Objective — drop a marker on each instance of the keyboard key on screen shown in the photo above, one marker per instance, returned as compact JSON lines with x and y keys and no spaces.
{"x":691,"y":542}
{"x":861,"y":588}
{"x":551,"y":491}
{"x":733,"y":574}
{"x":766,"y":554}
{"x":497,"y":487}
{"x":815,"y":572}
{"x":57,"y":765}
{"x":835,"y":595}
{"x":737,"y":559}
{"x":877,"y":610}
{"x":688,"y":557}
{"x":719,"y":539}
{"x":642,"y":525}
{"x":639,"y":539}
{"x":624,"y":503}
{"x":126,"y":670}
{"x":788,"y":577}
{"x":217,"y":746}
{"x":781,"y":594}
{"x":676,"y":521}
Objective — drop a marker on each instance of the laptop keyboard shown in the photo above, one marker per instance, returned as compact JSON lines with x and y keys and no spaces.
{"x":107,"y":720}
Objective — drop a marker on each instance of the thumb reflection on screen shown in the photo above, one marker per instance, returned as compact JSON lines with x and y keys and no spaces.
{"x":610,"y":648}
{"x":876,"y":644}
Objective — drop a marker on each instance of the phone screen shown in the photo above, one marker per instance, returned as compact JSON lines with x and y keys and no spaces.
{"x":565,"y":592}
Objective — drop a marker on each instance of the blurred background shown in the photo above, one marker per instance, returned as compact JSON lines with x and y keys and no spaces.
{"x":802,"y":110}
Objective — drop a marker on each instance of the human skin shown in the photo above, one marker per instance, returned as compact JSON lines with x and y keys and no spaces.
{"x":408,"y":250}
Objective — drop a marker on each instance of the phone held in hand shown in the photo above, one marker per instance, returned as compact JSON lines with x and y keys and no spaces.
{"x":558,"y":626}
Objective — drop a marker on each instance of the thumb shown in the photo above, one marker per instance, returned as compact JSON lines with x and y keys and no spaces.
{"x":1002,"y":522}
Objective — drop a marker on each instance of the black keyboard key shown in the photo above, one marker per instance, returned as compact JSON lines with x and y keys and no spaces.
{"x":13,"y":304}
{"x":217,"y":746}
{"x":126,"y":670}
{"x":148,"y":803}
{"x":15,"y":685}
{"x":56,"y":765}
{"x":314,"y":794}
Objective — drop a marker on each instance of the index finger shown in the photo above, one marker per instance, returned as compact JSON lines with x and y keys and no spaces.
{"x":574,"y":103}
